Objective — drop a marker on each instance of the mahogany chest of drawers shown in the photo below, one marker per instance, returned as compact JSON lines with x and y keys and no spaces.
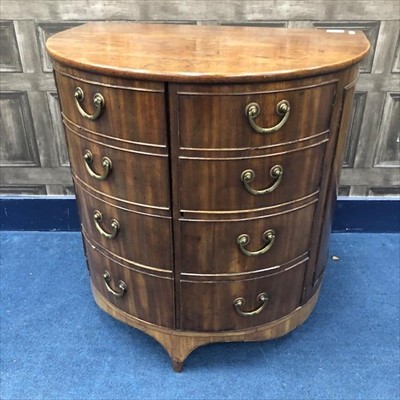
{"x":206,"y":163}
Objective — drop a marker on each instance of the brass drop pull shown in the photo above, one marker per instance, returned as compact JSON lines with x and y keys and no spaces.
{"x":248,"y":176}
{"x":98,"y":217}
{"x":98,"y":101}
{"x":262,"y":298}
{"x":244,"y":239}
{"x":121,"y":285}
{"x":252,"y":111}
{"x":106,"y":162}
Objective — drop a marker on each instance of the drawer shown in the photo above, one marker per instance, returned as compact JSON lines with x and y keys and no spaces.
{"x":142,"y":239}
{"x":210,"y":306}
{"x":144,"y":296}
{"x":211,"y":247}
{"x":218,"y":120}
{"x":119,"y":173}
{"x":134,"y":113}
{"x":248,"y":184}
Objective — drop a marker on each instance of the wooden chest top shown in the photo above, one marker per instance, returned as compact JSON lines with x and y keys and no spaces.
{"x":190,"y":53}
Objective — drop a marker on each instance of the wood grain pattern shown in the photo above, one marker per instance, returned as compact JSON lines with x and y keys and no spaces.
{"x":205,"y":53}
{"x":226,"y":191}
{"x":148,"y":183}
{"x":143,"y":239}
{"x":216,"y":251}
{"x":223,"y":124}
{"x":182,"y":143}
{"x":134,"y":111}
{"x":216,"y":312}
{"x":147,"y":297}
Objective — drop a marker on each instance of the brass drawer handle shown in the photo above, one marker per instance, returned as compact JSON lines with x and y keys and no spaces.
{"x":98,"y":217}
{"x":106,"y":162}
{"x":98,"y":101}
{"x":248,"y":176}
{"x":244,"y":239}
{"x":253,"y":111}
{"x":239,"y":302}
{"x":121,"y":285}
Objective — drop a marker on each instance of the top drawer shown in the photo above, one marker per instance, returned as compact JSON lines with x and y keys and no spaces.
{"x":128,"y":110}
{"x":213,"y":118}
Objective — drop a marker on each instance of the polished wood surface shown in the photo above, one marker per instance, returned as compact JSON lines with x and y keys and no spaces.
{"x":129,"y":110}
{"x":223,"y":123}
{"x":142,"y":239}
{"x":205,"y":53}
{"x":148,"y":185}
{"x":148,"y":296}
{"x":215,"y":311}
{"x":226,"y":191}
{"x":214,"y":242}
{"x":179,"y":145}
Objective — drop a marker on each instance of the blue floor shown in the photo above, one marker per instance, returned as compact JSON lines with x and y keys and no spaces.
{"x":56,"y":343}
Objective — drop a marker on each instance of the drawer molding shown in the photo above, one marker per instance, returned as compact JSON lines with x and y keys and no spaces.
{"x":70,"y":124}
{"x":183,"y":157}
{"x":89,"y":189}
{"x":100,"y":83}
{"x":243,"y":276}
{"x":308,"y":200}
{"x":253,"y":210}
{"x":123,"y":262}
{"x":255,"y":148}
{"x":111,"y":146}
{"x":258,"y":92}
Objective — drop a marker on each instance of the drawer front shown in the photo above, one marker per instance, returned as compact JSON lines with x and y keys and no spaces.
{"x":250,"y":183}
{"x":142,"y":239}
{"x":211,"y":247}
{"x":135,"y":114}
{"x":219,"y":121}
{"x":144,"y":296}
{"x":210,"y":306}
{"x":118,"y":173}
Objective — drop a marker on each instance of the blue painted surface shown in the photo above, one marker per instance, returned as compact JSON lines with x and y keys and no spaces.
{"x":56,"y":344}
{"x":60,"y":214}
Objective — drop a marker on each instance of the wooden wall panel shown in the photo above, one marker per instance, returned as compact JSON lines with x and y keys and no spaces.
{"x":33,"y":153}
{"x":44,"y":31}
{"x":18,"y":141}
{"x":388,"y":148}
{"x":57,"y":128}
{"x":10,"y":61}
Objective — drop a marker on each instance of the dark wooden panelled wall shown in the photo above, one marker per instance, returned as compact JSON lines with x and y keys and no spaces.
{"x":33,"y":155}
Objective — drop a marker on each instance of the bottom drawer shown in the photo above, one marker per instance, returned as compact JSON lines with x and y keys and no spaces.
{"x":147,"y":297}
{"x":210,"y":306}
